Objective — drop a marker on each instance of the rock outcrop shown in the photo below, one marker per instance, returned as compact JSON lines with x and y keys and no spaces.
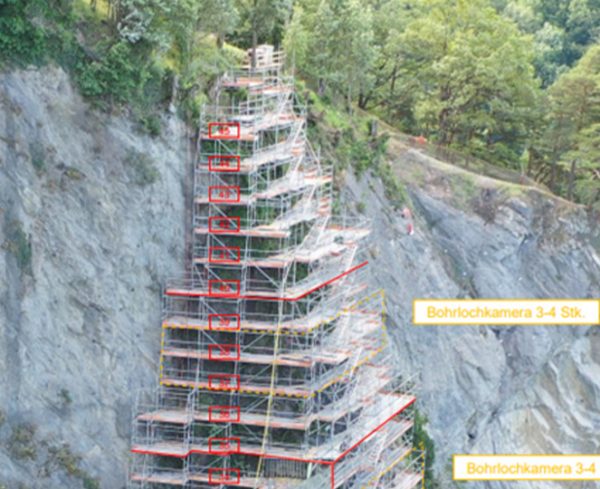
{"x":489,"y":389}
{"x":91,"y":223}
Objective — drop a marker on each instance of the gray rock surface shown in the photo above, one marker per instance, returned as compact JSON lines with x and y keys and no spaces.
{"x":489,"y":389}
{"x":79,"y":324}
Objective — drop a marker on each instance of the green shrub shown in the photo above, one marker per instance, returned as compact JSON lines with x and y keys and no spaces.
{"x":21,"y":41}
{"x":64,"y":458}
{"x":422,"y":441}
{"x":21,"y":442}
{"x":151,"y":124}
{"x":90,"y":483}
{"x":142,"y":168}
{"x":73,"y":173}
{"x":65,"y":397}
{"x":395,"y":192}
{"x":38,"y":159}
{"x":115,"y":75}
{"x":19,"y":245}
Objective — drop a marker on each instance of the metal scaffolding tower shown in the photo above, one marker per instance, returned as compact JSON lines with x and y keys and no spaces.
{"x":275,"y":370}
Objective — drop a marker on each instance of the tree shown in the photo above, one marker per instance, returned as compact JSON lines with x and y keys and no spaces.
{"x":335,"y":39}
{"x":390,"y":18}
{"x":262,"y":20}
{"x":563,"y":30}
{"x":575,"y":109}
{"x":584,"y":182}
{"x":217,"y":16}
{"x":475,"y":76}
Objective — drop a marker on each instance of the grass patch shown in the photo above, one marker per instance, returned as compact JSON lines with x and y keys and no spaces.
{"x":395,"y":191}
{"x":463,"y":189}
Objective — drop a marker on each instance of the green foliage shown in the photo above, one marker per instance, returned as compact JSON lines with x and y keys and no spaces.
{"x":90,"y":483}
{"x":21,"y":443}
{"x":142,"y":168}
{"x":585,"y":158}
{"x":21,"y":41}
{"x":332,"y":43}
{"x":120,"y":75}
{"x":133,"y":57}
{"x":65,"y":397}
{"x":395,"y":191}
{"x":462,"y":73}
{"x":65,"y":459}
{"x":261,"y":21}
{"x":18,"y":244}
{"x":151,"y":124}
{"x":476,"y":81}
{"x":422,"y":441}
{"x":38,"y":157}
{"x":60,"y":457}
{"x":355,"y":151}
{"x":565,"y":154}
{"x":73,"y":173}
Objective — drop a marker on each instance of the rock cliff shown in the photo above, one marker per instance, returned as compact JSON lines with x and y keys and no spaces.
{"x":489,"y":389}
{"x":92,"y":222}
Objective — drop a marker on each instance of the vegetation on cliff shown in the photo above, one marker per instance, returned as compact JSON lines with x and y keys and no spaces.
{"x":513,"y":82}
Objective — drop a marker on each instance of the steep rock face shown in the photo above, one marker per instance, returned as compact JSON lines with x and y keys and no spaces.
{"x":79,"y":319}
{"x":484,"y":389}
{"x":79,"y":316}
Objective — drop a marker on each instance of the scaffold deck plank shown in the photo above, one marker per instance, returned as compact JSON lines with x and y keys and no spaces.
{"x":288,"y":360}
{"x":272,"y":192}
{"x":407,"y":480}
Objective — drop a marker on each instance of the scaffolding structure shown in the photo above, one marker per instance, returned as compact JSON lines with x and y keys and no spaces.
{"x":275,"y":370}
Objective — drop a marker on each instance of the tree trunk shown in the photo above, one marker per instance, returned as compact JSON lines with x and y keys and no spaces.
{"x":174,"y":94}
{"x":254,"y":45}
{"x":443,"y":125}
{"x":362,"y":100}
{"x":571,"y":180}
{"x":552,"y":182}
{"x":349,"y":99}
{"x":321,"y":89}
{"x":254,"y":33}
{"x":373,"y":128}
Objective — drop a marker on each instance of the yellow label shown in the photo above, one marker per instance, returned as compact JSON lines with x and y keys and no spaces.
{"x":526,"y":467}
{"x":451,"y":312}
